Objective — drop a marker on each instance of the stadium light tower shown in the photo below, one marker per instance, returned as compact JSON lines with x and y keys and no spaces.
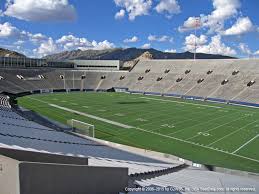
{"x":196,"y":25}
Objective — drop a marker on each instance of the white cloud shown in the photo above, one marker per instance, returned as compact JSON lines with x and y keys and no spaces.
{"x":7,"y":30}
{"x":170,"y":51}
{"x":102,"y":45}
{"x":256,"y":52}
{"x":120,"y":14}
{"x":216,"y":46}
{"x":131,"y":40}
{"x":223,"y":10}
{"x":46,"y":48}
{"x":10,"y":32}
{"x":70,"y":42}
{"x":190,"y":24}
{"x":245,"y":49}
{"x":146,"y":46}
{"x":37,"y":38}
{"x":46,"y":45}
{"x":19,"y":42}
{"x":242,"y":26}
{"x":134,"y":8}
{"x":163,"y":38}
{"x":192,"y":40}
{"x":40,"y":10}
{"x":168,"y":7}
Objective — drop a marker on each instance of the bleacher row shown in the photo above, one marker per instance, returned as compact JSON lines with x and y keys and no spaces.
{"x":235,"y":80}
{"x":4,"y":103}
{"x":199,"y":181}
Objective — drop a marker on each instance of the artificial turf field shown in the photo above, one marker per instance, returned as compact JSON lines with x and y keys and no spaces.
{"x":207,"y":133}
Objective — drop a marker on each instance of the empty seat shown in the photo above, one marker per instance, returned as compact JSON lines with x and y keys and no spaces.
{"x":167,"y":71}
{"x":140,"y":78}
{"x":225,"y":81}
{"x":19,"y":76}
{"x":187,"y":71}
{"x":235,"y":72}
{"x":209,"y":72}
{"x":159,"y":79}
{"x":249,"y":84}
{"x":200,"y":80}
{"x":147,"y":70}
{"x":179,"y":79}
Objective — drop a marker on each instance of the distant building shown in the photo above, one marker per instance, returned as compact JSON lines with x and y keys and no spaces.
{"x":109,"y":65}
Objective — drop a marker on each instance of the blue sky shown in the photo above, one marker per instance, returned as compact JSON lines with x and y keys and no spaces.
{"x":42,"y":27}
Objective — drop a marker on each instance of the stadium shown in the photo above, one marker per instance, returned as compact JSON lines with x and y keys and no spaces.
{"x":163,"y":124}
{"x":129,"y":97}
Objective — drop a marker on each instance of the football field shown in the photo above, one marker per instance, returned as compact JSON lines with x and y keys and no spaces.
{"x":207,"y":133}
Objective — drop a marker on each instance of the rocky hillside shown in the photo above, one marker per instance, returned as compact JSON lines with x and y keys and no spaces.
{"x":128,"y":54}
{"x":9,"y":53}
{"x":145,"y":56}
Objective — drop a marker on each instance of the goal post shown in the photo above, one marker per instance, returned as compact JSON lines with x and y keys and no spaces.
{"x":82,"y":127}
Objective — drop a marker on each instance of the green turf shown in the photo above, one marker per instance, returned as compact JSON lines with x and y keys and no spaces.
{"x":207,"y":133}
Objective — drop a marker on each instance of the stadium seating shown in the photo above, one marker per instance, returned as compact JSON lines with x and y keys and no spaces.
{"x":199,"y":179}
{"x":201,"y":78}
{"x":218,"y":79}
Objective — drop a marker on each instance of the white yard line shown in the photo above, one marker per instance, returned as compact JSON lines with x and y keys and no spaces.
{"x":215,"y":128}
{"x":85,"y":114}
{"x":188,"y":142}
{"x":197,"y":144}
{"x":245,"y":144}
{"x":239,"y":129}
{"x":92,"y":116}
{"x":178,"y":113}
{"x":194,"y":104}
{"x":208,"y":121}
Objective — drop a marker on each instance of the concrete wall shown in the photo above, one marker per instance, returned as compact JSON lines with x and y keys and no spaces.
{"x":21,"y":155}
{"x":141,"y":152}
{"x":63,"y":179}
{"x":9,"y":176}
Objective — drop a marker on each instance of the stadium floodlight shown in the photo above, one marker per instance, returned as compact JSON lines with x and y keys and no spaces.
{"x":82,"y":127}
{"x":196,"y":26}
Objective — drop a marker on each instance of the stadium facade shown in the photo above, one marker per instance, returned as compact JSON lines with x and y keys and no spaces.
{"x":9,"y":62}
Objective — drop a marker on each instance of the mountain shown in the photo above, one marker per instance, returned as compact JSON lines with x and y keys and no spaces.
{"x":9,"y":53}
{"x":128,"y":54}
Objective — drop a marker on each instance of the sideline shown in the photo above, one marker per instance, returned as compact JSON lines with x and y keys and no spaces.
{"x":181,"y":102}
{"x":92,"y":116}
{"x":245,"y":144}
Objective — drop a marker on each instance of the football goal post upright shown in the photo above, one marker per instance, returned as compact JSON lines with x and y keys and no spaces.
{"x":82,"y":127}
